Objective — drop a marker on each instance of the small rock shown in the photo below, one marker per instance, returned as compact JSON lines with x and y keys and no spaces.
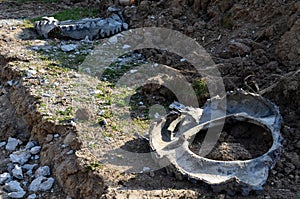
{"x":146,"y":169}
{"x":41,"y":184}
{"x":101,"y":113}
{"x":46,"y":185}
{"x":298,"y":145}
{"x":73,"y":123}
{"x":108,"y":139}
{"x":68,"y":47}
{"x":30,"y":73}
{"x":20,"y":157}
{"x":70,"y":152}
{"x":19,"y":194}
{"x":29,"y":166}
{"x":10,"y":82}
{"x":35,"y":150}
{"x":35,"y":184}
{"x":125,"y":26}
{"x":17,"y":172}
{"x":2,"y":144}
{"x":32,"y":196}
{"x":12,"y":143}
{"x":15,"y":190}
{"x":56,"y":135}
{"x":4,"y":177}
{"x":42,"y":171}
{"x":49,"y":138}
{"x":30,"y":144}
{"x":46,"y":95}
{"x":69,"y":139}
{"x":126,"y":46}
{"x":133,"y":71}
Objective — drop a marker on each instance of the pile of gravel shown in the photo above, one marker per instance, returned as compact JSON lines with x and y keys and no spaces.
{"x":23,"y":176}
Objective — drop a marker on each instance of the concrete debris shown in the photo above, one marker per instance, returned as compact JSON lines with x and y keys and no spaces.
{"x":171,"y":136}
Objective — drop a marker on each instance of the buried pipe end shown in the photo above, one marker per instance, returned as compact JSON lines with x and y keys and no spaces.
{"x":247,"y":118}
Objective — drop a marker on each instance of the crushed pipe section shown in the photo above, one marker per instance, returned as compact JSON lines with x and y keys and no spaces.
{"x":171,"y":136}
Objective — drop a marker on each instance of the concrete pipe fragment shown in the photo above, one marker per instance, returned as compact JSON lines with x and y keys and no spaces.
{"x":173,"y":137}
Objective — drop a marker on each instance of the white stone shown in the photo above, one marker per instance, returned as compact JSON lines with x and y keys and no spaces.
{"x":101,"y":113}
{"x":68,"y":47}
{"x":133,"y":71}
{"x":10,"y":82}
{"x":12,"y":143}
{"x":20,"y":157}
{"x":4,"y":177}
{"x":30,"y":144}
{"x":146,"y":169}
{"x":41,"y":184}
{"x":35,"y":184}
{"x":70,"y":152}
{"x":73,"y":123}
{"x":42,"y":171}
{"x":30,"y":73}
{"x":17,"y":172}
{"x":14,"y":189}
{"x":35,"y":150}
{"x":46,"y":185}
{"x":29,"y":166}
{"x":2,"y":144}
{"x":46,"y":95}
{"x":19,"y":194}
{"x":32,"y":196}
{"x":126,"y":46}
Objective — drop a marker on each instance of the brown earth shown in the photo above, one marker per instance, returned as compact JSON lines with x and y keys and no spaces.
{"x":246,"y":38}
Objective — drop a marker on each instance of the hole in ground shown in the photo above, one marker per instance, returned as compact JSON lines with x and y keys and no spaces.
{"x":238,"y":141}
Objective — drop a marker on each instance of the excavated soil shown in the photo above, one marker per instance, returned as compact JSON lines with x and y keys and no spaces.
{"x":238,"y":141}
{"x":256,"y":45}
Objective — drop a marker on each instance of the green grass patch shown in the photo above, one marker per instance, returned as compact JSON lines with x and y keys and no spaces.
{"x":200,"y":88}
{"x":76,"y":13}
{"x":93,"y":166}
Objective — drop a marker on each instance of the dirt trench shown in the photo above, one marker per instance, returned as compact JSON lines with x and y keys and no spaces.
{"x":24,"y":122}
